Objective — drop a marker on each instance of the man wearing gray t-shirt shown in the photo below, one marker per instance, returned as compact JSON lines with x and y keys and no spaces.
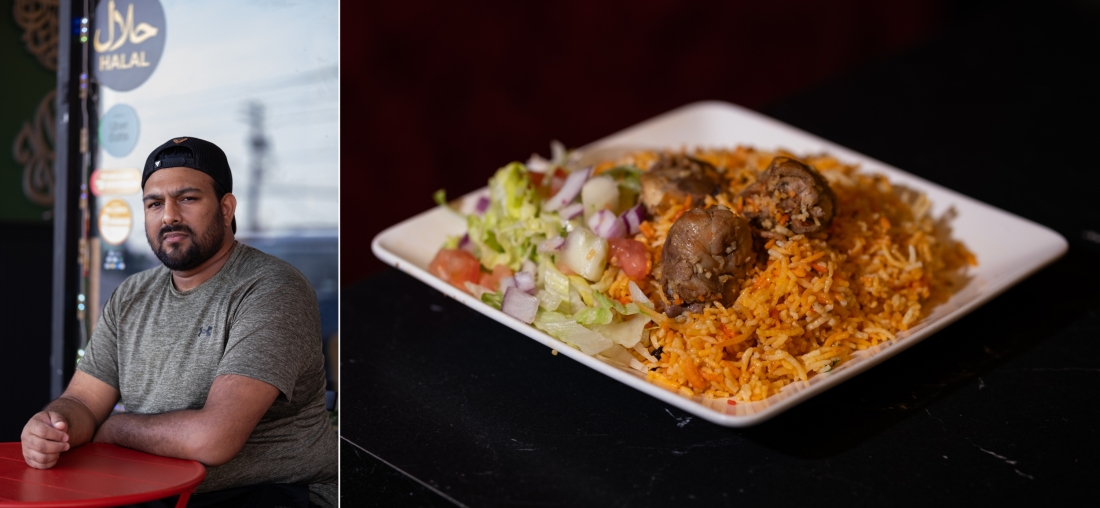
{"x":216,"y":355}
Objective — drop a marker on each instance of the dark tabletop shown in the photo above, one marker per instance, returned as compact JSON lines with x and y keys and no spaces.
{"x":442,"y":405}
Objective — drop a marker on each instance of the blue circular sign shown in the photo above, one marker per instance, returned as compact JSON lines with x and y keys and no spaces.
{"x":118,"y":130}
{"x":128,"y":40}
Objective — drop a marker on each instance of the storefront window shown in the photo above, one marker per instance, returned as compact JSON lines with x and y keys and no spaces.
{"x":260,"y":80}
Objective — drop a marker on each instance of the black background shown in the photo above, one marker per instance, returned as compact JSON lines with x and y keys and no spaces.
{"x":997,"y":101}
{"x":441,"y":94}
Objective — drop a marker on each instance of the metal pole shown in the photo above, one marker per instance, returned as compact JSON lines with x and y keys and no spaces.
{"x":258,"y":144}
{"x":70,"y":219}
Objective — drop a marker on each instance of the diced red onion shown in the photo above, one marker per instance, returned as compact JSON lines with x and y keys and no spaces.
{"x":465,"y":244}
{"x":606,"y":224}
{"x":633,"y":218}
{"x":525,"y":282}
{"x":482,"y":204}
{"x":520,"y":305}
{"x":571,"y":211}
{"x":506,"y":282}
{"x":569,"y":190}
{"x":552,"y":244}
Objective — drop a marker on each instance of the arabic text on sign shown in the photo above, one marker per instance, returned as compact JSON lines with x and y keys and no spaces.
{"x":127,"y":30}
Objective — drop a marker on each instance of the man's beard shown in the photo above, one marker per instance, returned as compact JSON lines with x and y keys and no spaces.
{"x":201,"y":249}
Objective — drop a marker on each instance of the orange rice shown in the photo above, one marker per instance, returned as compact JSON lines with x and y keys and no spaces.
{"x":815,"y":300}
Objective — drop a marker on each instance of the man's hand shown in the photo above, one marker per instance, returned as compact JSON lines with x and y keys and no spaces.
{"x":69,"y":421}
{"x":44,"y":437}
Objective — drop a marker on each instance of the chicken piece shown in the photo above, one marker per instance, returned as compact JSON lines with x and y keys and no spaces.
{"x":675,"y":177}
{"x":791,"y":191}
{"x":706,"y":255}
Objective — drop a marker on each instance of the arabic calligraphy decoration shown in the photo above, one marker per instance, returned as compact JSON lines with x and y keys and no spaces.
{"x":38,"y":19}
{"x":128,"y":41}
{"x":33,"y":149}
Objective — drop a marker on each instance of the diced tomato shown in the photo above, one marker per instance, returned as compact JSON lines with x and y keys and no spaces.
{"x":631,"y":256}
{"x":455,"y":266}
{"x":536,"y":178}
{"x":492,"y":280}
{"x":539,"y":183}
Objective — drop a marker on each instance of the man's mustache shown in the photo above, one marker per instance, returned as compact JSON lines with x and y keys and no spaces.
{"x":173,"y":229}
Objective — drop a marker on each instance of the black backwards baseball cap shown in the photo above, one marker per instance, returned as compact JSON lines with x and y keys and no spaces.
{"x":194,"y":153}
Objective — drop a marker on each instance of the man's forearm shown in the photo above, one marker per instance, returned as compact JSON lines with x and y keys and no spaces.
{"x":183,"y":434}
{"x":79,"y":419}
{"x":212,"y":435}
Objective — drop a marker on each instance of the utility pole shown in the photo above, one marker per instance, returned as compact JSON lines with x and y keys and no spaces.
{"x":258,"y":146}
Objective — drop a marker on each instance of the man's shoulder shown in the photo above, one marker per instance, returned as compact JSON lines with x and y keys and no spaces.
{"x":143,"y":281}
{"x":263,"y":268}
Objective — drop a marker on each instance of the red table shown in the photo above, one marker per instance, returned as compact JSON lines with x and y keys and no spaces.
{"x":95,"y":475}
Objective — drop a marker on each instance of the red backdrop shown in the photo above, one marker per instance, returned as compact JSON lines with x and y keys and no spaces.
{"x":439,"y":95}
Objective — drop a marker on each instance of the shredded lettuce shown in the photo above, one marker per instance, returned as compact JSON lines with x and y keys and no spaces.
{"x":511,"y":229}
{"x":553,"y":280}
{"x":576,"y":303}
{"x":595,"y":315}
{"x":548,"y":300}
{"x":495,"y":300}
{"x":606,"y":302}
{"x":602,"y":313}
{"x":625,"y":333}
{"x":606,"y":317}
{"x":567,"y":330}
{"x":571,"y":308}
{"x":578,"y":283}
{"x":619,"y":355}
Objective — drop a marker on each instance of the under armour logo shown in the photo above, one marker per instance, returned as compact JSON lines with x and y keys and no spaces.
{"x":178,"y":141}
{"x":206,"y":330}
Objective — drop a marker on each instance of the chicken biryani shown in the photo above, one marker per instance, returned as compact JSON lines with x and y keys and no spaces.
{"x":722,"y":273}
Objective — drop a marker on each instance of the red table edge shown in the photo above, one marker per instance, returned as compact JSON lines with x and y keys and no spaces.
{"x":184,"y":491}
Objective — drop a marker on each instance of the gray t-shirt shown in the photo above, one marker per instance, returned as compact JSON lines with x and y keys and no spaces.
{"x":257,"y":317}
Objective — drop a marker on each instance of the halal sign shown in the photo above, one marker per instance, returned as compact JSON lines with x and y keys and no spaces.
{"x":128,"y":41}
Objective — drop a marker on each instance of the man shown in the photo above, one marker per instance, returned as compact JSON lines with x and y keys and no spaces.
{"x":216,"y":356}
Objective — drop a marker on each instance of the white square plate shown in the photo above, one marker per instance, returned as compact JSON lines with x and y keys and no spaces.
{"x":1008,"y":248}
